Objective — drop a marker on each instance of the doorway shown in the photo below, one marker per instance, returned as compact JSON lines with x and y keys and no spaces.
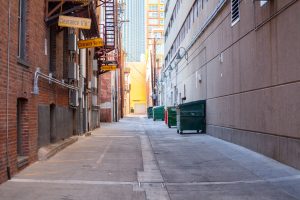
{"x":22,"y":132}
{"x":52,"y":124}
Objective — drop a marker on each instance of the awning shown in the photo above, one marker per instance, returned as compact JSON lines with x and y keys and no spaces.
{"x":76,"y":8}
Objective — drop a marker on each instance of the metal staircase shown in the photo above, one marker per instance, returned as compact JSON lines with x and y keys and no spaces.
{"x":110,"y":25}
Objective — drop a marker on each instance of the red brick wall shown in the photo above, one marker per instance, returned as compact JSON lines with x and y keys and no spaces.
{"x":105,"y":97}
{"x":21,"y":81}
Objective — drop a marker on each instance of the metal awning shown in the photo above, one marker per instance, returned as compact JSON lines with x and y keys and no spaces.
{"x":77,"y":8}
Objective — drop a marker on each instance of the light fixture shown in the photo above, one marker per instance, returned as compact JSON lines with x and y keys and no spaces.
{"x":182,"y":52}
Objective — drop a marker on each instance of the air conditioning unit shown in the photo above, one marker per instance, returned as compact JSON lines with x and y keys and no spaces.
{"x":73,"y":98}
{"x":72,"y":71}
{"x":72,"y":42}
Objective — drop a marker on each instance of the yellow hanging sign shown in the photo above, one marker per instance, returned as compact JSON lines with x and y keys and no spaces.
{"x":109,"y":67}
{"x":97,"y":42}
{"x":74,"y":22}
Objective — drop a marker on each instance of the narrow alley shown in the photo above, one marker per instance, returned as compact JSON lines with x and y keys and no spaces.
{"x":139,"y":159}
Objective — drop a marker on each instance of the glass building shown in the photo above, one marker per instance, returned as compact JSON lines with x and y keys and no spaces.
{"x":134,"y":30}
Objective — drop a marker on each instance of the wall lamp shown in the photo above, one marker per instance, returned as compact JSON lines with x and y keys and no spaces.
{"x":182,"y":52}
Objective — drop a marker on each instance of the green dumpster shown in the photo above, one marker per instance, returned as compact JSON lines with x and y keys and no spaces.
{"x":191,"y":116}
{"x":150,"y":112}
{"x":171,"y":116}
{"x":158,"y":113}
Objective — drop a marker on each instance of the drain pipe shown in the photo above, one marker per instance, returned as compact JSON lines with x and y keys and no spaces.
{"x":38,"y":74}
{"x":7,"y":92}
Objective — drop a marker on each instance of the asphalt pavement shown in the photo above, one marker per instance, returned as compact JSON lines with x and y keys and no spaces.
{"x":139,"y":159}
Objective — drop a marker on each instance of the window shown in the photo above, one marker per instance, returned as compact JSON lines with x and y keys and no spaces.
{"x":21,"y":29}
{"x":235,"y":12}
{"x":153,"y":14}
{"x":153,"y":21}
{"x":153,"y":7}
{"x":52,"y":50}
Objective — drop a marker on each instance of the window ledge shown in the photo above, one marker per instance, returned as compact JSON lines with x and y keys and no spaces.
{"x":23,"y":63}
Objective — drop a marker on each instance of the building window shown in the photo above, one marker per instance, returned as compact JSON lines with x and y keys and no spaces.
{"x":153,"y":8}
{"x":235,"y":12}
{"x":153,"y":21}
{"x":153,"y":14}
{"x":21,"y":29}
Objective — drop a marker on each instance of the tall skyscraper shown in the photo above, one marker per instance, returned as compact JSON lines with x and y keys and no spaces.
{"x":154,"y":45}
{"x":134,"y":30}
{"x":155,"y":25}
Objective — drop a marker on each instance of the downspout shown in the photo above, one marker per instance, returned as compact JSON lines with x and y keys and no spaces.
{"x":7,"y":92}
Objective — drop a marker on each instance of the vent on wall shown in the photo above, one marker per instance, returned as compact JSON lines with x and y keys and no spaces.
{"x":235,"y":11}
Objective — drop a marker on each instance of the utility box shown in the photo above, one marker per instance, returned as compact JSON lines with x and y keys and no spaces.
{"x":72,"y":42}
{"x":158,"y":113}
{"x":150,"y":112}
{"x":73,"y":98}
{"x":191,"y":116}
{"x":72,"y":71}
{"x":171,"y":116}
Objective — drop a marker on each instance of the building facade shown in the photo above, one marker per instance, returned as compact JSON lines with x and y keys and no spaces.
{"x":111,"y":89}
{"x":242,"y":58}
{"x":134,"y":30}
{"x":154,"y":47}
{"x":50,"y":88}
{"x":137,"y":87}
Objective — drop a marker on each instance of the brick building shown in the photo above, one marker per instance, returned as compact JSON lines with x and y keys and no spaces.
{"x":49,"y":88}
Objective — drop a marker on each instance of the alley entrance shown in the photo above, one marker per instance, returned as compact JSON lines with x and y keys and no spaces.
{"x":138,"y":159}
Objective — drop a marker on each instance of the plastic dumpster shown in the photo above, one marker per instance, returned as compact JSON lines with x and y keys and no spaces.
{"x":171,"y":121}
{"x":166,"y":116}
{"x":158,"y":113}
{"x":191,"y":116}
{"x":150,"y":112}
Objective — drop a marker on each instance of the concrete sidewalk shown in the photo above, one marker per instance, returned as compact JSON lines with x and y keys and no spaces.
{"x":140,"y":159}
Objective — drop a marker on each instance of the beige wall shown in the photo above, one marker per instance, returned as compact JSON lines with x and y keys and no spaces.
{"x":137,"y":79}
{"x":253,"y":95}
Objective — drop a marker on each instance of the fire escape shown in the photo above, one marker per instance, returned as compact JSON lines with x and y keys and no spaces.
{"x":108,"y":55}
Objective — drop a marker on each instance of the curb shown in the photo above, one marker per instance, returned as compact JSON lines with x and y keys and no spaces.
{"x":47,"y":152}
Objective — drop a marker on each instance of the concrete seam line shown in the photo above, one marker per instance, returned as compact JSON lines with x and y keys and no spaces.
{"x":272,"y":180}
{"x":103,"y":154}
{"x":77,"y":182}
{"x":82,"y":182}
